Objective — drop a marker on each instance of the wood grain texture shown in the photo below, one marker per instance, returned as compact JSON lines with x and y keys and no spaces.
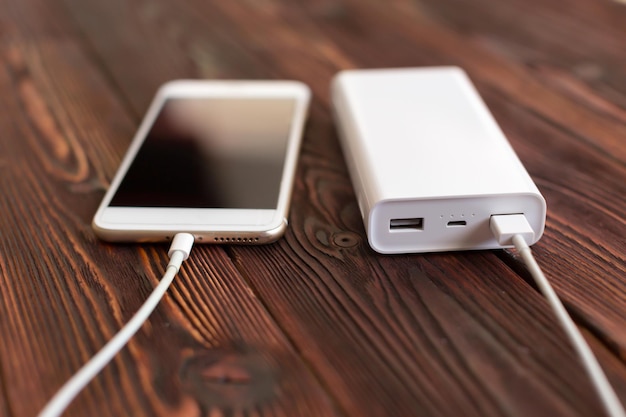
{"x":316,"y":324}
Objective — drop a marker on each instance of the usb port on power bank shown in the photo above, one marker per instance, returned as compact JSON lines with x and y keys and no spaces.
{"x":416,"y":223}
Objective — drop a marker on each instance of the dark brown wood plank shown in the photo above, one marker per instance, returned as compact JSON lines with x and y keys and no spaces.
{"x":4,"y":406}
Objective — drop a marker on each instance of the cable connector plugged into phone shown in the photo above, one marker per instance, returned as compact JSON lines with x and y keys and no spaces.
{"x":178,"y":252}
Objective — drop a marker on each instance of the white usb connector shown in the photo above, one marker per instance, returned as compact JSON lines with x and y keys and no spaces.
{"x":504,"y":227}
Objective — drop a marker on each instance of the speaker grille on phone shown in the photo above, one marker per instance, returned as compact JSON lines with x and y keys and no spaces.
{"x":236,"y":239}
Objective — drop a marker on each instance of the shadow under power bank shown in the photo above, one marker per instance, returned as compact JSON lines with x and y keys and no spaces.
{"x":428,"y":162}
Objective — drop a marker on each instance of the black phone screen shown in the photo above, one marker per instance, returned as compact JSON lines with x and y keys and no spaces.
{"x":211,"y":153}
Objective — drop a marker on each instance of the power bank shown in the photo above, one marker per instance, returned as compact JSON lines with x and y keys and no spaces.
{"x":428,"y":162}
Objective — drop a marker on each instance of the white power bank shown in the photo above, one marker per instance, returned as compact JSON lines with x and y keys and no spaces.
{"x":428,"y":162}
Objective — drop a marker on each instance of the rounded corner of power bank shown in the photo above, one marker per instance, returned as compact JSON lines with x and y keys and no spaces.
{"x":377,"y":248}
{"x":370,"y":233}
{"x":541,"y":201}
{"x":539,"y":216}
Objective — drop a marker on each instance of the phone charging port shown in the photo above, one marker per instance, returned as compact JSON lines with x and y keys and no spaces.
{"x":416,"y":223}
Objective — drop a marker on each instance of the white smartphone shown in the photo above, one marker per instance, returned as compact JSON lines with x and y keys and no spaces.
{"x":212,"y":158}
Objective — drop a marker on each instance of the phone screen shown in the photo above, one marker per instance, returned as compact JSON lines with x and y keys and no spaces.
{"x":211,"y":153}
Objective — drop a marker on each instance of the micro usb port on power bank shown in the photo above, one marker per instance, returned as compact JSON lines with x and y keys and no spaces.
{"x":416,"y":223}
{"x":457,"y":223}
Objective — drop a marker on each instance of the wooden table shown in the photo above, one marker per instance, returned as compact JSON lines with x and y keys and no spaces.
{"x":316,"y":324}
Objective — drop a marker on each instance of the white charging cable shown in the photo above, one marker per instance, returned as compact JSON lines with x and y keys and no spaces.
{"x":515,"y":229}
{"x":178,"y":252}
